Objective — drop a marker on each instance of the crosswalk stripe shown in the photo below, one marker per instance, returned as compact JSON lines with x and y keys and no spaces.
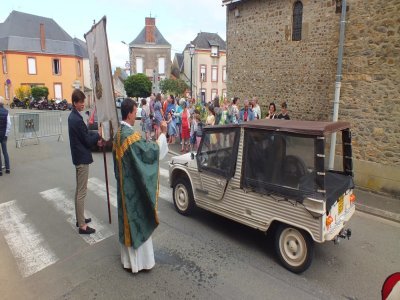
{"x":98,"y":187}
{"x":26,"y":243}
{"x":62,"y":203}
{"x":164,"y":172}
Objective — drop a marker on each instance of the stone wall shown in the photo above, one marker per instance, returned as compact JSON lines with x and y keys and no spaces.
{"x":263,"y":61}
{"x":150,"y":57}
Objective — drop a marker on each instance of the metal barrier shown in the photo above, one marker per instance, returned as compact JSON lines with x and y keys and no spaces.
{"x":36,"y":125}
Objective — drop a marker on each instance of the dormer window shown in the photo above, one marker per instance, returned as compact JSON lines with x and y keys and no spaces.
{"x":215,"y":51}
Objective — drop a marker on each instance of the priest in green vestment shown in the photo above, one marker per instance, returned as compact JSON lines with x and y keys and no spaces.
{"x":136,"y":167}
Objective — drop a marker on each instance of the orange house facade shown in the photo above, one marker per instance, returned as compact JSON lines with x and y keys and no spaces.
{"x":45,"y":56}
{"x":59,"y":73}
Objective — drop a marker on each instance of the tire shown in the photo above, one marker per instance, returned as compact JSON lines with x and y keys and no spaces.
{"x":294,"y":247}
{"x":183,"y":196}
{"x":12,"y":105}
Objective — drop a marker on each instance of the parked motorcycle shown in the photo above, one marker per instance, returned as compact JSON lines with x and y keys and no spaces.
{"x":18,"y":103}
{"x":34,"y":103}
{"x":44,"y":104}
{"x":61,"y":104}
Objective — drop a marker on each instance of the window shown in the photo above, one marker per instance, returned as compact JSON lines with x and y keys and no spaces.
{"x":224,"y":73}
{"x":139,"y":65}
{"x":214,"y":51}
{"x":203,"y":93}
{"x":58,"y":91}
{"x":79,"y":68}
{"x":4,"y":61}
{"x":7,"y":90}
{"x":224,"y":93}
{"x":278,"y":163}
{"x":31,"y":65}
{"x":214,"y":92}
{"x":56,"y":66}
{"x":297,"y":21}
{"x":203,"y":73}
{"x":214,"y":73}
{"x":218,"y":152}
{"x":161,"y":65}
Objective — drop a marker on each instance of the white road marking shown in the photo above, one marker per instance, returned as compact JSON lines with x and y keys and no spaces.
{"x":27,"y":245}
{"x":164,"y":172}
{"x":165,"y":193}
{"x":98,"y":187}
{"x":62,"y":203}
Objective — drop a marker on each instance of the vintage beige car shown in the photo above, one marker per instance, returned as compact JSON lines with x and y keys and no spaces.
{"x":272,"y":175}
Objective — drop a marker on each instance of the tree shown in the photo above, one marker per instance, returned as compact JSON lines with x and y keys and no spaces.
{"x":173,"y":86}
{"x":137,"y":86}
{"x":39,"y":91}
{"x":23,"y":92}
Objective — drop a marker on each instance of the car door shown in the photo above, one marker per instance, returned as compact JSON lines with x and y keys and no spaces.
{"x":216,"y":161}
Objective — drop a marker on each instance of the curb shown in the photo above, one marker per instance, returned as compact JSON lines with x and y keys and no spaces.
{"x":378,"y":212}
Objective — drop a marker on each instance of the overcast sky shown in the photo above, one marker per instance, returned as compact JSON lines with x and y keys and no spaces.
{"x":178,"y":20}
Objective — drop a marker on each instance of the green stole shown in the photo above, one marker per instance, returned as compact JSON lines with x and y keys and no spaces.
{"x":136,"y":168}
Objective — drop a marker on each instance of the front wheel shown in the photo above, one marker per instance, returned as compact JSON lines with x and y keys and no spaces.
{"x":183,"y":196}
{"x":294,"y":247}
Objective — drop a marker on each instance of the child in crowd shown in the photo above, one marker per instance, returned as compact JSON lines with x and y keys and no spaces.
{"x":193,"y":130}
{"x":199,"y":131}
{"x":171,"y":127}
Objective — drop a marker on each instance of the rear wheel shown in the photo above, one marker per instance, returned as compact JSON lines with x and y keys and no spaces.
{"x":183,"y":196}
{"x":294,"y":247}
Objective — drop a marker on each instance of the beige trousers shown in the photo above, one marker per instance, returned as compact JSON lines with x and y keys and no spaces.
{"x":82,"y":175}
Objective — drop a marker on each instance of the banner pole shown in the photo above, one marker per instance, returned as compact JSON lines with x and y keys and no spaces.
{"x":106,"y":175}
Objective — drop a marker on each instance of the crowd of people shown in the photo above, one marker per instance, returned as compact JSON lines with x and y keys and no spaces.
{"x":186,"y":118}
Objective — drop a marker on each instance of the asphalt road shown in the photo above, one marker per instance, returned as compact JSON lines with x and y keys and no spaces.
{"x":199,"y":257}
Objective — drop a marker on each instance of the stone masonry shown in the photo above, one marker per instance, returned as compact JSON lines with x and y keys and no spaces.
{"x":263,"y":61}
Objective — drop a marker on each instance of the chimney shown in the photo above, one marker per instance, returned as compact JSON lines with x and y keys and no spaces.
{"x":150,"y":30}
{"x":42,"y":37}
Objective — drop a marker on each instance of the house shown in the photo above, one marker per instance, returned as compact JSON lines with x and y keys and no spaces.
{"x":150,"y":54}
{"x":287,"y":50}
{"x":119,"y":78}
{"x":36,"y":51}
{"x":207,"y":66}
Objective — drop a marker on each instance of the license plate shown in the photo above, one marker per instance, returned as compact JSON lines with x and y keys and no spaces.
{"x":340,"y":204}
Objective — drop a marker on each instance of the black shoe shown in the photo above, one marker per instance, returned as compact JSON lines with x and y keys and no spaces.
{"x":86,"y":221}
{"x":88,"y":230}
{"x":7,"y":171}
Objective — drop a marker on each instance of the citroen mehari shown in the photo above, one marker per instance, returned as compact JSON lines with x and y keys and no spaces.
{"x":272,"y":175}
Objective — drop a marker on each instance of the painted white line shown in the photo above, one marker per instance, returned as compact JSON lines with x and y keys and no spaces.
{"x":59,"y":199}
{"x":165,"y":193}
{"x":164,"y":172}
{"x":98,"y":187}
{"x":27,"y":245}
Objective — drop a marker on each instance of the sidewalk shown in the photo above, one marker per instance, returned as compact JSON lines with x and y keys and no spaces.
{"x":368,"y":202}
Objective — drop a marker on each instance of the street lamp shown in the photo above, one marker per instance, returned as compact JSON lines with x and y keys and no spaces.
{"x":127,"y":67}
{"x":191,"y":53}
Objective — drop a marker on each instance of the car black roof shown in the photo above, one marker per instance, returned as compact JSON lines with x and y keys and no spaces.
{"x":315,"y":128}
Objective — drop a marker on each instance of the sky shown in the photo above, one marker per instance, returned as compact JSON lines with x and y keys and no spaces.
{"x":179,"y":21}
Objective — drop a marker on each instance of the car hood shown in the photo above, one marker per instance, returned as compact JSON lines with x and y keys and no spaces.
{"x":185,"y":159}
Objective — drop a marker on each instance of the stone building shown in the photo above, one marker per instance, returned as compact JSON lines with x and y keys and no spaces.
{"x":150,"y":53}
{"x":287,"y":50}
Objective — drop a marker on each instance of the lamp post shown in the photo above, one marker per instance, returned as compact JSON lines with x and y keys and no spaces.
{"x":191,"y":53}
{"x":128,"y":64}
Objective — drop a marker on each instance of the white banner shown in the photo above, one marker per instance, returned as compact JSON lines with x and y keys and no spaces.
{"x":100,"y":72}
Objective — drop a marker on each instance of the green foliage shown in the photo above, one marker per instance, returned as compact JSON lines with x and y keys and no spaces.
{"x":137,"y":86}
{"x":23,"y":92}
{"x":39,"y":91}
{"x":173,"y":86}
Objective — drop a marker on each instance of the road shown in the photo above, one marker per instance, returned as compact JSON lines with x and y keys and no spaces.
{"x":199,"y":257}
